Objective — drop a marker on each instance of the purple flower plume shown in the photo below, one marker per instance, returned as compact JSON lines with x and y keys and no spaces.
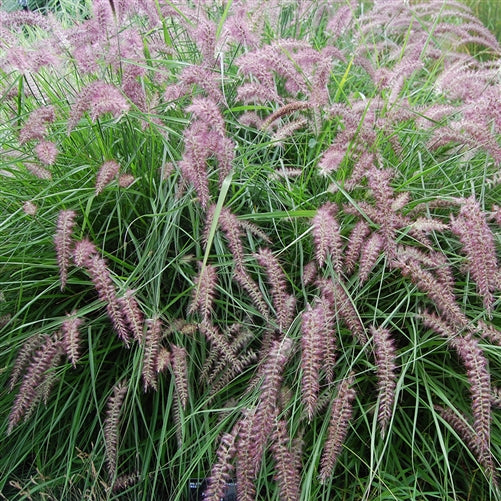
{"x":87,"y":256}
{"x":478,"y":244}
{"x":36,"y":125}
{"x":29,"y":392}
{"x":462,"y":427}
{"x":284,"y":303}
{"x":204,"y":292}
{"x":221,"y":471}
{"x":150,"y":354}
{"x":370,"y":253}
{"x":314,"y":333}
{"x":97,"y":98}
{"x":327,"y":236}
{"x":179,"y":361}
{"x":476,"y":364}
{"x":341,"y":413}
{"x":71,"y":337}
{"x":267,"y":408}
{"x":46,"y":152}
{"x":83,"y":251}
{"x":29,"y":348}
{"x":480,"y":388}
{"x":111,"y":426}
{"x":63,"y":243}
{"x":107,"y":172}
{"x":337,"y":297}
{"x":355,"y":244}
{"x":385,"y":354}
{"x":288,"y":468}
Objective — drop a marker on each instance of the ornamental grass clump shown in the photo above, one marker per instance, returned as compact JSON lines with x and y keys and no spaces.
{"x":253,"y":244}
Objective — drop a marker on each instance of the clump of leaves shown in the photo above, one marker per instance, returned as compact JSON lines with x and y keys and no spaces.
{"x":242,"y":245}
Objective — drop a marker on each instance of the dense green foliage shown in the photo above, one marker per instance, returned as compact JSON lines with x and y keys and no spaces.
{"x":300,"y":207}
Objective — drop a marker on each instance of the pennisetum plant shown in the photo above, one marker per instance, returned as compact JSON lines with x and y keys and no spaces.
{"x":255,"y":243}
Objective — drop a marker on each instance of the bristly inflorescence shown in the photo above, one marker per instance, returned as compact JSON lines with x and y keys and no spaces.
{"x":64,"y":244}
{"x":478,"y":243}
{"x":30,"y":391}
{"x":385,"y":354}
{"x":341,"y":412}
{"x":112,"y":424}
{"x":292,"y":220}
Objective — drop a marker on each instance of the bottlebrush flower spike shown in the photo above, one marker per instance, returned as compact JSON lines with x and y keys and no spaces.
{"x":63,"y":243}
{"x":283,"y":132}
{"x":341,"y":20}
{"x":111,"y":426}
{"x":38,"y":170}
{"x":216,"y":371}
{"x":232,"y":230}
{"x":125,"y":180}
{"x":285,"y":110}
{"x":206,"y":78}
{"x":30,"y":346}
{"x":204,"y":292}
{"x":163,"y":359}
{"x":46,"y":152}
{"x":193,"y":166}
{"x":107,"y":172}
{"x":221,"y":344}
{"x":332,"y":158}
{"x":338,"y":299}
{"x":434,"y":288}
{"x":132,"y":314}
{"x":461,"y":426}
{"x":355,"y":243}
{"x":97,"y":98}
{"x":284,"y":303}
{"x":133,"y":88}
{"x":314,"y":332}
{"x":246,"y":444}
{"x":370,"y":252}
{"x":480,"y":389}
{"x":206,"y":110}
{"x":221,"y":471}
{"x":205,"y":34}
{"x":255,"y":92}
{"x":478,"y":375}
{"x":327,"y":236}
{"x":29,"y":393}
{"x":309,"y":273}
{"x":36,"y":125}
{"x":179,"y":363}
{"x":387,"y":206}
{"x":385,"y":355}
{"x":101,"y":278}
{"x":150,"y":354}
{"x":83,"y":251}
{"x":488,"y":331}
{"x":287,"y":473}
{"x":71,"y":337}
{"x":478,"y":244}
{"x":433,"y":260}
{"x":341,"y":414}
{"x":439,"y":325}
{"x":103,"y":13}
{"x":267,"y":409}
{"x":29,"y":208}
{"x":125,"y":481}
